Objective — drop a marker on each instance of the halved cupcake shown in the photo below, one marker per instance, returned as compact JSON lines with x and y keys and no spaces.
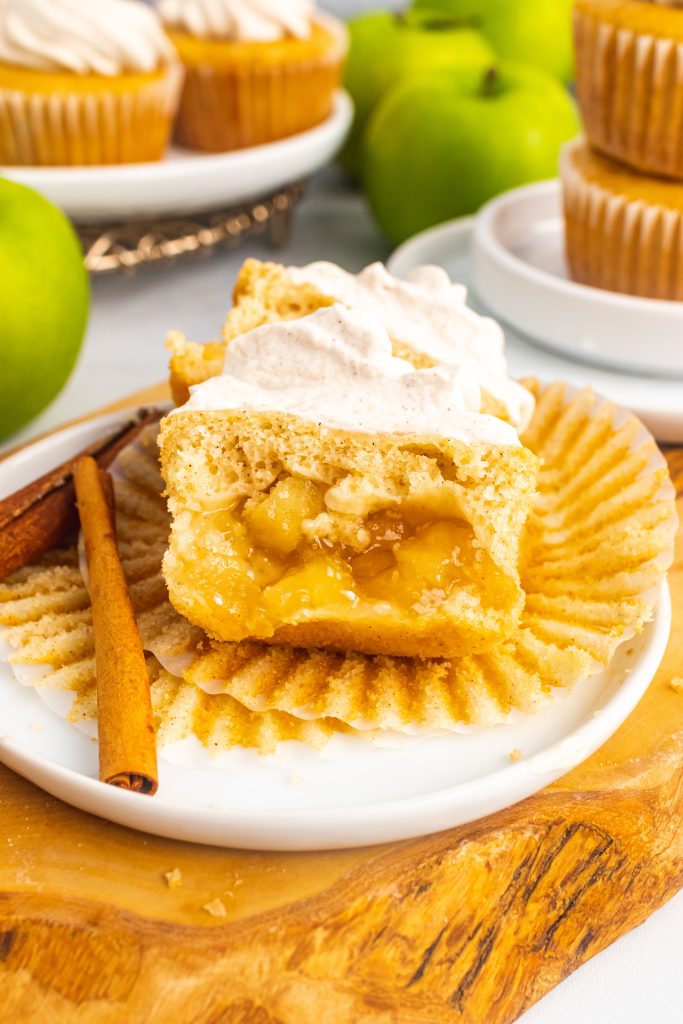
{"x":84,"y":83}
{"x":325,"y":493}
{"x":255,"y":70}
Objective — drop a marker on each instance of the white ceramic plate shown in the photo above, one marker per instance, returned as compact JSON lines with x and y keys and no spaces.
{"x":521,"y":274}
{"x":186,"y":181}
{"x":656,"y":400}
{"x":350,"y":794}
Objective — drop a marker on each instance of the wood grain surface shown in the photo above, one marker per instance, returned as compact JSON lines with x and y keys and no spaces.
{"x":471,"y":925}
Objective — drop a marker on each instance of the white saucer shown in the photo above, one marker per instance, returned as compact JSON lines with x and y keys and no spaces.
{"x":350,"y":794}
{"x":521,"y":274}
{"x":656,"y":400}
{"x":187,"y":181}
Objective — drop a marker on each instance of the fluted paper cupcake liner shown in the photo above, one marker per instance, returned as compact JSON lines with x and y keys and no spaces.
{"x":629,"y":87}
{"x":598,"y":544}
{"x":621,"y":244}
{"x":82,"y":127}
{"x":228,"y":106}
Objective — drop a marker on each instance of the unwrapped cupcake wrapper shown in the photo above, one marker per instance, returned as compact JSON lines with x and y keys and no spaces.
{"x":599,"y":543}
{"x":86,"y":128}
{"x":226,"y":108}
{"x":620,"y":244}
{"x":629,"y":87}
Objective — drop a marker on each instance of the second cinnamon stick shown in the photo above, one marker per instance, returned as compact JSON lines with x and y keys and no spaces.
{"x":43,"y":515}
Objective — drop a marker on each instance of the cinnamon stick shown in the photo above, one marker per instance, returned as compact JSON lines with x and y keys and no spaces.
{"x":43,"y":514}
{"x":127,"y":745}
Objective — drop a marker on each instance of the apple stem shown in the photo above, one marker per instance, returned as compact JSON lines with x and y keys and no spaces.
{"x":489,"y":82}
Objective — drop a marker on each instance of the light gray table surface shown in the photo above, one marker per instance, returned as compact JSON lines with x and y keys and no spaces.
{"x":637,"y":980}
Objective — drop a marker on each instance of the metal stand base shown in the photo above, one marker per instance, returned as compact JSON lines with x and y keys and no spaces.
{"x":125,"y":247}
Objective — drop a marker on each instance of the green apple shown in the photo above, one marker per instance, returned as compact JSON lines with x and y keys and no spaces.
{"x":386,"y":48}
{"x":44,"y":300}
{"x":440,"y":145}
{"x":536,"y":32}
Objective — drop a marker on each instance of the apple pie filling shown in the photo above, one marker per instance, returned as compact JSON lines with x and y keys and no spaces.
{"x":282,"y":556}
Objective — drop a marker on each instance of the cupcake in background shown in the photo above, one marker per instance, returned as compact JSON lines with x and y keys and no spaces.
{"x":85,"y":82}
{"x":623,"y":230}
{"x":255,"y":70}
{"x":629,"y":80}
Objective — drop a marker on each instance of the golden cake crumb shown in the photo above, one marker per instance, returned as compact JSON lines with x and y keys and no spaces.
{"x":515,"y":755}
{"x":174,"y":878}
{"x":676,"y":684}
{"x":216,"y":908}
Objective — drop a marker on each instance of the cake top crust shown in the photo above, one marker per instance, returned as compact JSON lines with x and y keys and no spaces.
{"x":654,"y":17}
{"x":578,"y":158}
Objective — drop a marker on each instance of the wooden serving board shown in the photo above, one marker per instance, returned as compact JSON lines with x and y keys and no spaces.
{"x":472,"y":925}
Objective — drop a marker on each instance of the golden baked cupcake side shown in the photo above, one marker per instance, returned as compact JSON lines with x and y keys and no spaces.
{"x":629,"y":81}
{"x":191,"y":363}
{"x":324,"y":493}
{"x":623,"y":231}
{"x":105,"y":93}
{"x":255,"y":72}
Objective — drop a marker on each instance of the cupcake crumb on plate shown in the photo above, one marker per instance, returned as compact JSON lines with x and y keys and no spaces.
{"x":174,"y":878}
{"x":216,"y":908}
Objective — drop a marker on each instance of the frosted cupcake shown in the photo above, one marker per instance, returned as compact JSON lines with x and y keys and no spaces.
{"x":94,"y":82}
{"x":624,"y":230}
{"x":255,"y":70}
{"x":629,"y":55}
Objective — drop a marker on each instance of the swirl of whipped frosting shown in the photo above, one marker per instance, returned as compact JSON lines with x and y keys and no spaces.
{"x":427,"y":313}
{"x":257,"y":21}
{"x":101,"y":37}
{"x":336,"y":367}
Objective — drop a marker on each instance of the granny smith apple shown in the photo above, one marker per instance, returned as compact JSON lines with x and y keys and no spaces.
{"x":537,"y":32}
{"x":386,"y":48}
{"x":44,"y":300}
{"x":440,"y":145}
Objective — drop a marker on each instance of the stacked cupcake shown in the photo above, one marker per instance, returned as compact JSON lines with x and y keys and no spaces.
{"x":102,"y":82}
{"x":623,"y":187}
